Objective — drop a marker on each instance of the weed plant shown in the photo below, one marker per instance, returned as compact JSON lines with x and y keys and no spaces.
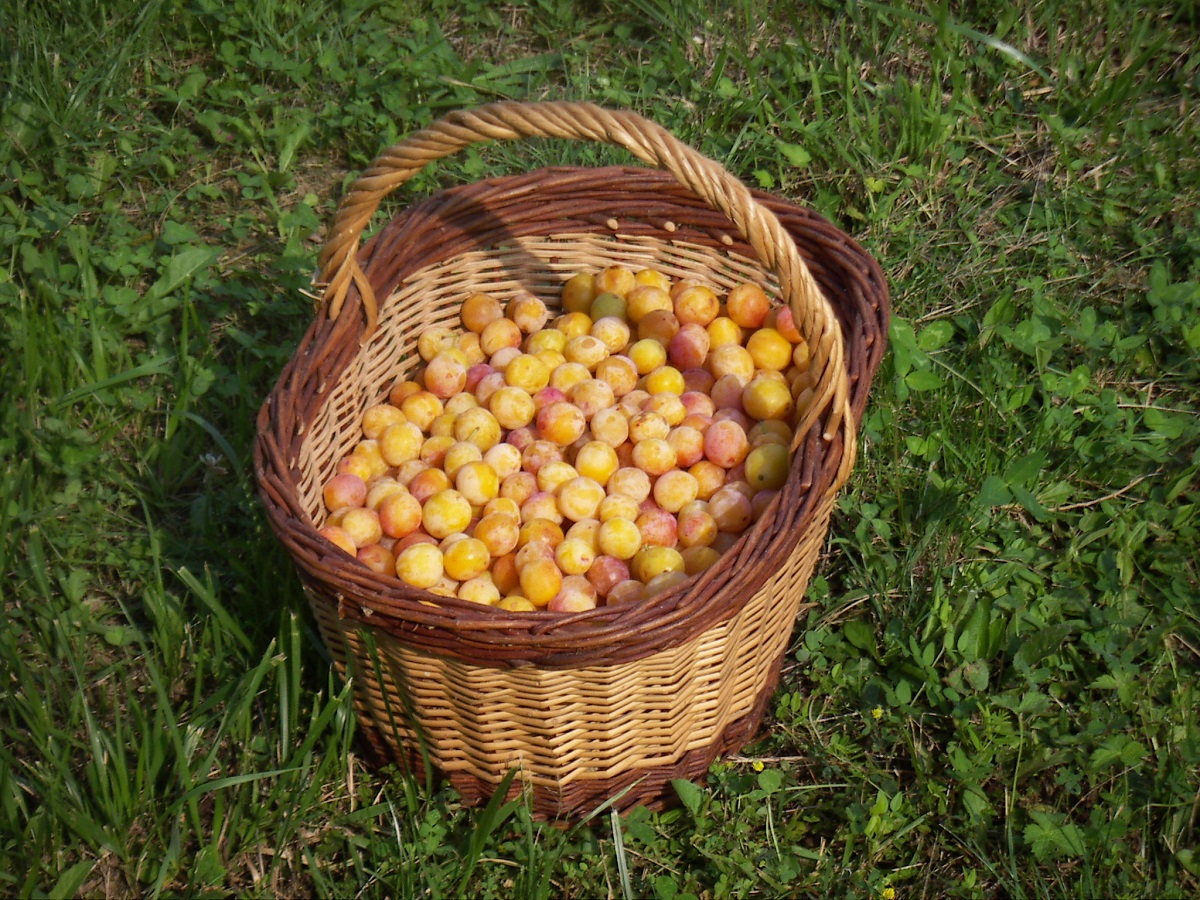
{"x":997,"y":694}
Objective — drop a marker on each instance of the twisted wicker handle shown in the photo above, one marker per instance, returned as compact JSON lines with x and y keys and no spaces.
{"x":648,"y":142}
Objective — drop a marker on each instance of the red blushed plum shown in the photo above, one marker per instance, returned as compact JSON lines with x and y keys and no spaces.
{"x":725,"y":443}
{"x":606,"y":572}
{"x":658,"y":528}
{"x":561,"y":423}
{"x":696,"y":528}
{"x":727,"y":392}
{"x":697,"y":403}
{"x":345,"y":490}
{"x":689,"y":445}
{"x":688,"y":347}
{"x":547,"y":395}
{"x":378,"y":559}
{"x":575,"y":595}
{"x":538,"y":454}
{"x":731,"y":510}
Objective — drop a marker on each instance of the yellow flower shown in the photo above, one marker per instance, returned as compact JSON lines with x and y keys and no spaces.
{"x":888,"y":893}
{"x":877,"y":714}
{"x":757,"y":765}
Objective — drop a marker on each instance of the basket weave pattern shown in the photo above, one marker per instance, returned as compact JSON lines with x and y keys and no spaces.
{"x":615,"y":699}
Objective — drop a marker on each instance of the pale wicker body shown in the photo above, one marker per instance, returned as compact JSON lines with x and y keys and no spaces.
{"x":618,"y":701}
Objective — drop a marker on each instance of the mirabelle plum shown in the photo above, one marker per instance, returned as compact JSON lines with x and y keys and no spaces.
{"x":421,"y":408}
{"x":618,"y":506}
{"x":698,"y":380}
{"x":479,"y":310}
{"x":381,"y":488}
{"x":760,"y":501}
{"x":645,"y":299}
{"x":481,"y":589}
{"x":580,"y":498}
{"x":445,"y":512}
{"x":560,"y":423}
{"x":504,"y":573}
{"x":543,"y":534}
{"x":696,"y":305}
{"x":688,"y":349}
{"x":568,"y":375}
{"x":433,"y":341}
{"x":445,"y":375}
{"x":477,"y":481}
{"x":554,"y":473}
{"x":632,"y":482}
{"x":698,"y":557}
{"x":457,"y":455}
{"x":731,"y":510}
{"x":696,"y":527}
{"x":619,"y":373}
{"x":527,"y":372}
{"x":378,"y":558}
{"x":619,"y":538}
{"x":607,"y":305}
{"x":378,"y":417}
{"x":657,"y":527}
{"x":402,"y":389}
{"x":725,"y":443}
{"x":668,"y":405}
{"x":783,"y":320}
{"x":345,"y":490}
{"x":675,"y":489}
{"x":663,"y":582}
{"x":541,"y":505}
{"x":647,"y":355}
{"x":610,"y":427}
{"x":586,"y":350}
{"x":658,"y":325}
{"x":540,"y":581}
{"x":512,"y":407}
{"x":428,"y":482}
{"x":466,"y":559}
{"x":631,"y":591}
{"x":586,"y":530}
{"x":574,"y":324}
{"x":606,"y":572}
{"x":652,"y":277}
{"x":361,"y":526}
{"x":596,"y":460}
{"x":479,"y":427}
{"x":612,"y":332}
{"x":688,"y":444}
{"x":665,"y":379}
{"x":528,"y":312}
{"x":434,"y":447}
{"x":356,"y":464}
{"x":652,"y":561}
{"x":766,"y":398}
{"x":575,"y":595}
{"x":504,"y":458}
{"x":336,"y":536}
{"x":420,"y":565}
{"x":617,"y":279}
{"x":654,"y":456}
{"x":578,"y":292}
{"x":574,"y":556}
{"x":516,"y":603}
{"x":538,"y":453}
{"x":646,"y":425}
{"x":709,"y":478}
{"x":731,"y":359}
{"x":747,"y":305}
{"x":767,"y":467}
{"x":769,"y":349}
{"x":723,"y":332}
{"x":591,"y":395}
{"x":399,"y":514}
{"x":369,"y":451}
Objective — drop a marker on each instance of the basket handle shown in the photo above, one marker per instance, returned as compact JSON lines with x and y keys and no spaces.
{"x":711,"y":182}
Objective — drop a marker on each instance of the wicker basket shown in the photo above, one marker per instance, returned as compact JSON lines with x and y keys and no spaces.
{"x":614,"y":702}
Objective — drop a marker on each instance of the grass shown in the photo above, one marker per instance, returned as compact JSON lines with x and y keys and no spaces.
{"x":997,"y":694}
